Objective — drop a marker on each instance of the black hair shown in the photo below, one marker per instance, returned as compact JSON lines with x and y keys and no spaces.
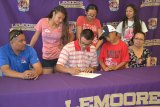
{"x":135,"y":34}
{"x":137,"y":24}
{"x":92,"y":6}
{"x":14,"y":33}
{"x":65,"y":29}
{"x":87,"y":34}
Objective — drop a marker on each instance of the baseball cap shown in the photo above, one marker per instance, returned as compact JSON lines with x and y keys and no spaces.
{"x":106,"y":30}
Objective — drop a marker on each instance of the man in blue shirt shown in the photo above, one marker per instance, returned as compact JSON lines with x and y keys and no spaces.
{"x":16,"y":58}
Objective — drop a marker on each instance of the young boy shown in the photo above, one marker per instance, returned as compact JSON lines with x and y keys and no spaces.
{"x":114,"y":53}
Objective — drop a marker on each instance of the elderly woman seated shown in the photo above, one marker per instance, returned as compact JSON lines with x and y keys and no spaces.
{"x":139,"y":56}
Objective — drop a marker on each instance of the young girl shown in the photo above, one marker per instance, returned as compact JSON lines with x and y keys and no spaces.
{"x":131,"y":24}
{"x":55,"y":33}
{"x":90,"y":22}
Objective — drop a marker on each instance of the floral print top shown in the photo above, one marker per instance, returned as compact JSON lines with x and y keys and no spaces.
{"x":138,"y":62}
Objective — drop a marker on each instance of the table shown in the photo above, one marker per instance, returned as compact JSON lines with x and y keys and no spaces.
{"x":138,"y":87}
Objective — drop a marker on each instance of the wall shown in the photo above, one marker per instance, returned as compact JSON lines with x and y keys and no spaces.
{"x":15,"y":14}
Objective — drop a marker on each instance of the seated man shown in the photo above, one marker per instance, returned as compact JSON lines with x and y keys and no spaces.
{"x":114,"y":53}
{"x":16,"y":57}
{"x":78,"y":56}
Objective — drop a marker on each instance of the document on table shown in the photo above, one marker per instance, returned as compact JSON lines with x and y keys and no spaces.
{"x":88,"y":75}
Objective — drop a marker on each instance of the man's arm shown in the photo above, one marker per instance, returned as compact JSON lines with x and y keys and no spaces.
{"x":11,"y":73}
{"x":34,"y":60}
{"x":72,"y":71}
{"x":37,"y":70}
{"x":90,"y":69}
{"x":93,"y":64}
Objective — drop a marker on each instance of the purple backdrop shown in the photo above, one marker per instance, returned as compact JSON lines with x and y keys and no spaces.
{"x":24,"y":14}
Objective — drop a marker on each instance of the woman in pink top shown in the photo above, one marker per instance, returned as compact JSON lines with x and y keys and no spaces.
{"x":55,"y":33}
{"x":90,"y":22}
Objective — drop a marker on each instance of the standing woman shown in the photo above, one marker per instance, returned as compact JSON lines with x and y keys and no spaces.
{"x":131,"y":24}
{"x":55,"y":34}
{"x":139,"y":56}
{"x":90,"y":22}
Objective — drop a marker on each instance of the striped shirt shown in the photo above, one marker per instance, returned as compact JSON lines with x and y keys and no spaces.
{"x":72,"y":56}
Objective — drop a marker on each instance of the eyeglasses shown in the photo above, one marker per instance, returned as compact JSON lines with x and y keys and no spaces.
{"x":17,"y":33}
{"x":139,"y":39}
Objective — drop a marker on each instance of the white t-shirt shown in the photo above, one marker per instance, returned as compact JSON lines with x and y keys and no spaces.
{"x":128,"y":33}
